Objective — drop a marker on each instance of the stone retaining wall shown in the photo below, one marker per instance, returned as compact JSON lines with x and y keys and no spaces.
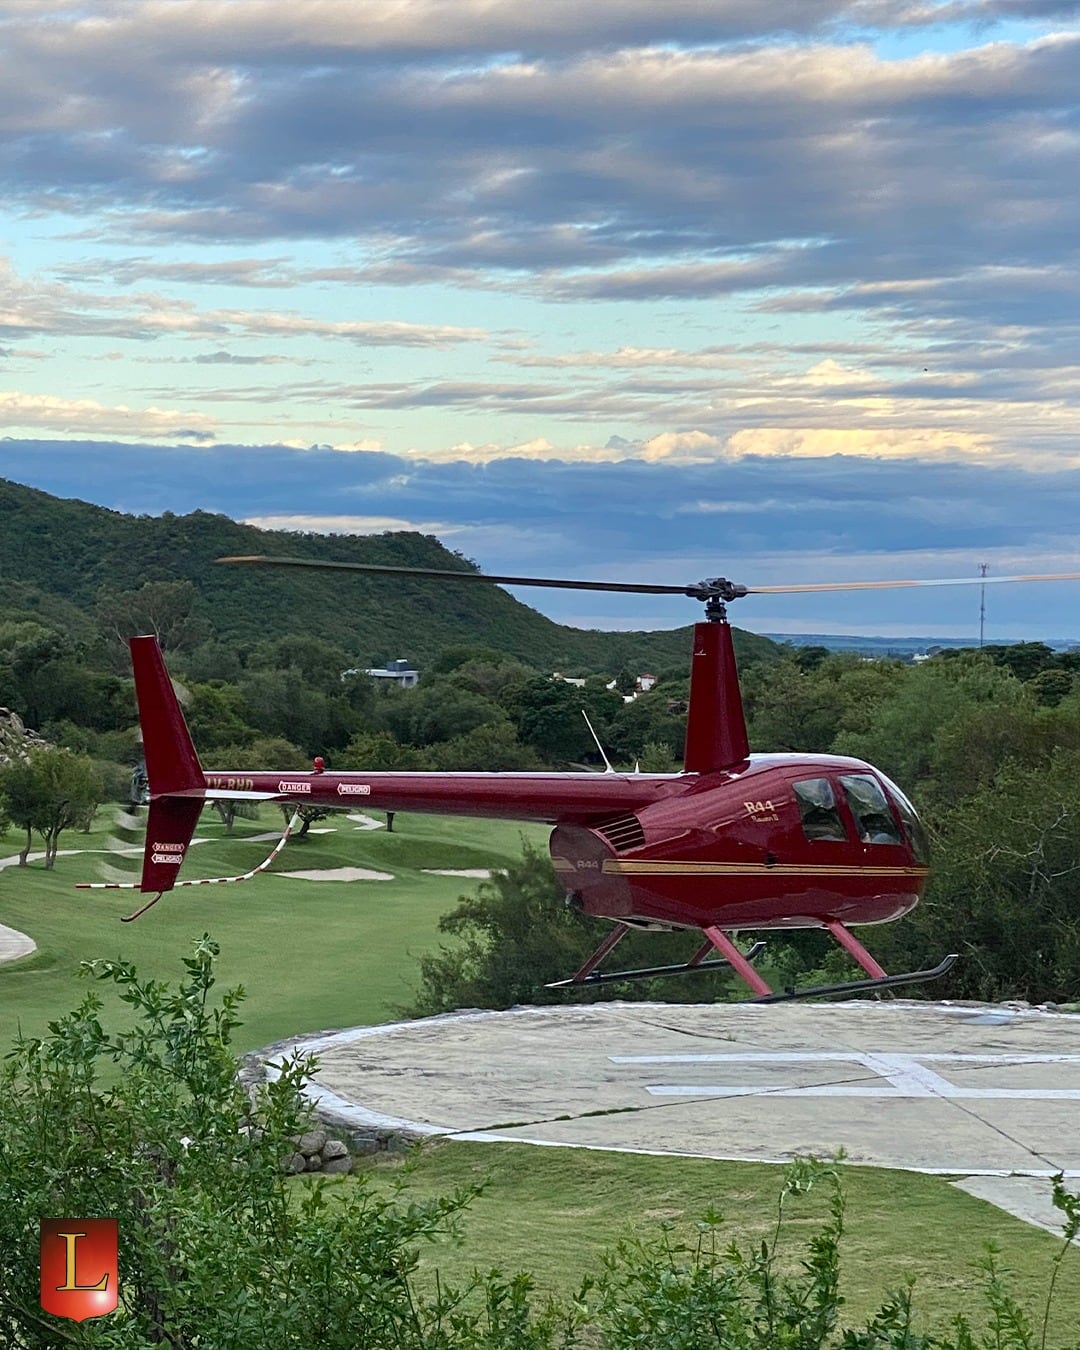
{"x":317,"y":1151}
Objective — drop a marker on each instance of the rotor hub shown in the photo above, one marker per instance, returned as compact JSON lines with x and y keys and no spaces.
{"x":716,"y":588}
{"x":717,"y":593}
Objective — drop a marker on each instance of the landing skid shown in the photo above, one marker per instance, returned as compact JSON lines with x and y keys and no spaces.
{"x":741,"y":962}
{"x":863,"y":986}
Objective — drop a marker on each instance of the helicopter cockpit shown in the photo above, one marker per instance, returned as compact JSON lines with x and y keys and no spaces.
{"x":871,"y":803}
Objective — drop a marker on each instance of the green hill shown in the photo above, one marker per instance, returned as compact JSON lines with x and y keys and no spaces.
{"x":57,"y":555}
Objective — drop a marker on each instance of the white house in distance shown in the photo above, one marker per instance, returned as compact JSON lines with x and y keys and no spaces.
{"x":400,"y":671}
{"x":643,"y":682}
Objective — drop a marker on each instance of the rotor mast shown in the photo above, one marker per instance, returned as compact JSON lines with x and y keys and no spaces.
{"x":716,"y":736}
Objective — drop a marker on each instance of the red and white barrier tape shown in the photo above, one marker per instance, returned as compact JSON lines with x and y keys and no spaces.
{"x":199,"y":881}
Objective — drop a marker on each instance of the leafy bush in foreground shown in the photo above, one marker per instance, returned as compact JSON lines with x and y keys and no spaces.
{"x":217,"y":1249}
{"x":220,"y":1251}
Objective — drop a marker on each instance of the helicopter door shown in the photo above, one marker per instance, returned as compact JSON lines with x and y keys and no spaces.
{"x":818,"y":811}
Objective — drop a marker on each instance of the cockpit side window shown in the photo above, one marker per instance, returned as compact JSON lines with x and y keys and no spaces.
{"x":817,"y":810}
{"x":870,"y":807}
{"x":920,"y":846}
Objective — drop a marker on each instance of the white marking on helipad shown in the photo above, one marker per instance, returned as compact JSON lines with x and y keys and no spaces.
{"x":904,"y":1075}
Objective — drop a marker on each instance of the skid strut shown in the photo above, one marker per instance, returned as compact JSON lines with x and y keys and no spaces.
{"x":741,"y":963}
{"x":589,"y":975}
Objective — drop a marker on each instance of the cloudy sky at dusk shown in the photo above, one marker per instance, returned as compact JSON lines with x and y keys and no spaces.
{"x":786,"y":290}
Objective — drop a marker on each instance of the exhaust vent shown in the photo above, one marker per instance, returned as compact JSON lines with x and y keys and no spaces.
{"x":622,"y":833}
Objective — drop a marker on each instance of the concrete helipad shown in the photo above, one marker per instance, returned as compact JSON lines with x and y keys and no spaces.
{"x":971,"y":1092}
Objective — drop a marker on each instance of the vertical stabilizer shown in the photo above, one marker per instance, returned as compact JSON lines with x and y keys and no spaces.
{"x":172,"y":768}
{"x":170,"y":823}
{"x":171,"y":762}
{"x":715,"y":725}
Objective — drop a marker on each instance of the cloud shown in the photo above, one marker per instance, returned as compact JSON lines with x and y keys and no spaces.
{"x":553,"y":147}
{"x":735,"y":254}
{"x":761,"y":519}
{"x":294,"y":522}
{"x":879,"y":444}
{"x":31,"y":305}
{"x":22,"y":411}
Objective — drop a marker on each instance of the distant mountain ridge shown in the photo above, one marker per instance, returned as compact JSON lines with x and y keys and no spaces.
{"x":901,"y":647}
{"x":56,"y":554}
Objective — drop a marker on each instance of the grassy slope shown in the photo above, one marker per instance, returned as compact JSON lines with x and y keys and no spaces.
{"x":555,"y":1211}
{"x":310,"y":955}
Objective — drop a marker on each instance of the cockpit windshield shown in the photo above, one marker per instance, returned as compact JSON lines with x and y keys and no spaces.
{"x":873,"y":819}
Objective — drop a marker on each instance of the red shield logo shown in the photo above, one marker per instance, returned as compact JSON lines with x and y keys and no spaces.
{"x":79,"y":1273}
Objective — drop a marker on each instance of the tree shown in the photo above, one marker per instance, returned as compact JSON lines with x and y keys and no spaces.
{"x":494,"y":677}
{"x":647,"y":721}
{"x":437,"y":711}
{"x":217,"y":716}
{"x":282,"y":703}
{"x":657,"y":757}
{"x":48,"y":792}
{"x":518,"y":932}
{"x":1051,"y":686}
{"x":379,"y":751}
{"x":493,"y":748}
{"x":548,"y":717}
{"x":927,"y":699}
{"x":804,"y":705}
{"x":321,"y":664}
{"x":165,"y":608}
{"x":1005,"y":891}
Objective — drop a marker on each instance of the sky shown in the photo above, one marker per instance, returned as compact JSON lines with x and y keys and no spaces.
{"x":780,"y":290}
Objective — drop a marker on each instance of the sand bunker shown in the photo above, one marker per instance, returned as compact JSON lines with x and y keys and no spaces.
{"x":339,"y":874}
{"x":14,"y":944}
{"x":483,"y":872}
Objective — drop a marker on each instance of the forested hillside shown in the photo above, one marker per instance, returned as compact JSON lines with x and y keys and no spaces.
{"x":59,"y":558}
{"x":986,"y":742}
{"x":273,"y":663}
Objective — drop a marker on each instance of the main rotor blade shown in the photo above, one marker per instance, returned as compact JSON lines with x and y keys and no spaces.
{"x":698,"y":590}
{"x":434,"y":574}
{"x":897,"y":585}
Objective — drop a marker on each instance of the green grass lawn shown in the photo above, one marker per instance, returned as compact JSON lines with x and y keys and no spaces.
{"x":555,"y":1212}
{"x":310,"y":954}
{"x":314,"y":955}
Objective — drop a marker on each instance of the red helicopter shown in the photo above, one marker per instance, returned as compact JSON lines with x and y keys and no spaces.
{"x":734,"y":842}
